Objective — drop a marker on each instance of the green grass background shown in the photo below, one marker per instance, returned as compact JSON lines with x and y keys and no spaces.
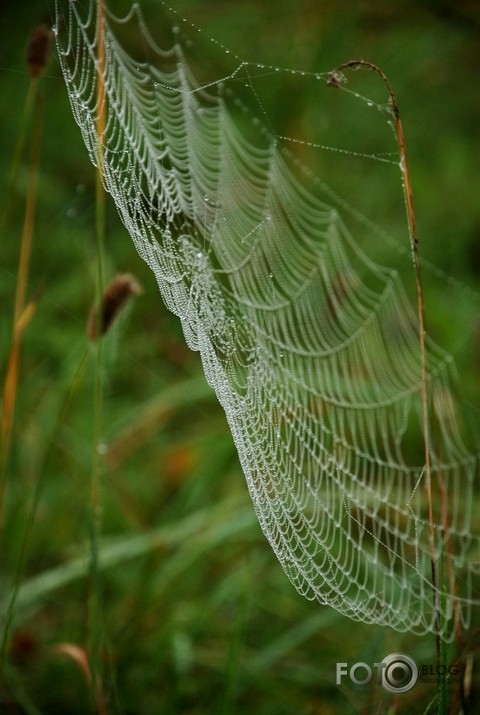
{"x":190,"y":610}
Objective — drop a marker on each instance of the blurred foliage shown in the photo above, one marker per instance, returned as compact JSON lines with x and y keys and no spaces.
{"x":197,"y":616}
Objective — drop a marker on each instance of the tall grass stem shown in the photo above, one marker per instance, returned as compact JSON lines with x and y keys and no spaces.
{"x":19,"y":322}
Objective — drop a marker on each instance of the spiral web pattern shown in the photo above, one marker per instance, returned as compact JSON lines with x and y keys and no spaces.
{"x":311,"y":348}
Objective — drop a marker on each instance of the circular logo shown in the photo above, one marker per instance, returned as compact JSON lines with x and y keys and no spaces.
{"x":399,"y":674}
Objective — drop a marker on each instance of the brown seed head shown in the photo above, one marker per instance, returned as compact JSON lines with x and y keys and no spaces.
{"x":116,"y":294}
{"x":37,"y":49}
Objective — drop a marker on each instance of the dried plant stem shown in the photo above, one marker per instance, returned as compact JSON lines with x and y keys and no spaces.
{"x":30,"y":208}
{"x":37,"y":57}
{"x":335,"y":79}
{"x":21,"y":313}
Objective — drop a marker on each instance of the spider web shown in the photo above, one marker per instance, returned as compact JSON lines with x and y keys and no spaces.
{"x":311,"y":347}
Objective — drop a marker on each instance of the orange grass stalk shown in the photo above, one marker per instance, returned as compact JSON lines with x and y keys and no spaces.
{"x":21,"y":315}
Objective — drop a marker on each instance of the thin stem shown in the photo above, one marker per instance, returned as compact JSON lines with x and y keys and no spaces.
{"x":335,"y":79}
{"x":95,"y":601}
{"x":30,"y":102}
{"x":19,"y":314}
{"x":32,"y":512}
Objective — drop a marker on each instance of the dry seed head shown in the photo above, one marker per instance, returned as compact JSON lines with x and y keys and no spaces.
{"x":37,"y":49}
{"x":120,"y":289}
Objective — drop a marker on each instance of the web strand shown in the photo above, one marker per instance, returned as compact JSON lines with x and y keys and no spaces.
{"x":310,"y":346}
